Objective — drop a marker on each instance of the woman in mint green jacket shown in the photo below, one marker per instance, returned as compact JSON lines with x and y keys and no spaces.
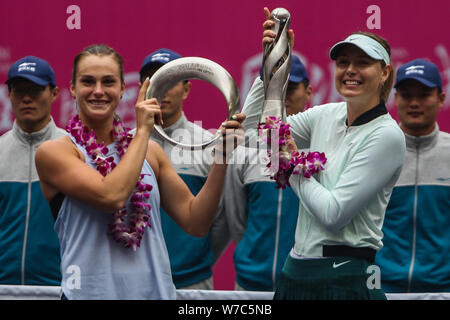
{"x":342,"y":207}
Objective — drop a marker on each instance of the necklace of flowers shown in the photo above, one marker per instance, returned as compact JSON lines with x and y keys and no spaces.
{"x":130,"y":234}
{"x":290,"y":161}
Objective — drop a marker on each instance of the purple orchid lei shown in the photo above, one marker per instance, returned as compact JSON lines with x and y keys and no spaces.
{"x":290,"y":161}
{"x":128,"y":233}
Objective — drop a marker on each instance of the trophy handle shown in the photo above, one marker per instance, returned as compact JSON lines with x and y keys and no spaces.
{"x":276,"y":67}
{"x":193,"y":68}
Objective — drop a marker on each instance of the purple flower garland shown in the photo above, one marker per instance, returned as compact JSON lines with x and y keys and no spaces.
{"x":128,"y":233}
{"x":290,"y":161}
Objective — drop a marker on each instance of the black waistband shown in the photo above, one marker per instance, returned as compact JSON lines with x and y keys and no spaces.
{"x":346,"y":251}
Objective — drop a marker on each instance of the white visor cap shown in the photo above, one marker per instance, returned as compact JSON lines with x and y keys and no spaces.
{"x":370,"y":46}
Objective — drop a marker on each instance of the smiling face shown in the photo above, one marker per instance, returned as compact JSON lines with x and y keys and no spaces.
{"x":417,"y":107}
{"x":31,"y":104}
{"x":98,"y":86}
{"x":358,"y":77}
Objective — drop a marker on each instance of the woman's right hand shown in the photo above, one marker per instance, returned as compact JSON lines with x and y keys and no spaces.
{"x":148,"y":112}
{"x":269,"y":35}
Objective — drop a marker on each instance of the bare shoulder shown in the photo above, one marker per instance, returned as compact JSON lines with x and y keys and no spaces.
{"x":56,"y":154}
{"x":56,"y":142}
{"x":60,"y":145}
{"x":54,"y":160}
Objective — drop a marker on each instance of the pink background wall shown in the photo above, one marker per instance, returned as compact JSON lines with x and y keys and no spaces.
{"x":227,"y":32}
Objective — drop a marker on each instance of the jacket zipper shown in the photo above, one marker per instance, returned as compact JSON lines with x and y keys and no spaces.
{"x":27,"y":217}
{"x":413,"y":255}
{"x":277,"y":239}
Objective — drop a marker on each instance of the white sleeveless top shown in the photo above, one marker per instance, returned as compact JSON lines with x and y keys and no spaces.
{"x":94,"y":266}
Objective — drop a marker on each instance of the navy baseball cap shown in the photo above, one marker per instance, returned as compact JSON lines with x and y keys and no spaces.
{"x":34,"y":69}
{"x":161,"y":56}
{"x":424,"y":71}
{"x":298,"y":71}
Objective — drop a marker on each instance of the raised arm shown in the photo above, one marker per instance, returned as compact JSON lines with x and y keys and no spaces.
{"x":194,"y":214}
{"x":254,"y":101}
{"x":61,"y":166}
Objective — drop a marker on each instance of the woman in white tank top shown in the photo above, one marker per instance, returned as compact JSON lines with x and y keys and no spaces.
{"x":107,"y":187}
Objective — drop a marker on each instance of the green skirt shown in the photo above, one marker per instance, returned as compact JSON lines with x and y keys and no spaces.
{"x":337,"y":278}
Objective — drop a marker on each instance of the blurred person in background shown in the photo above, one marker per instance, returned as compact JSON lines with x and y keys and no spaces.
{"x":416,"y":252}
{"x":29,"y":247}
{"x":191,"y":258}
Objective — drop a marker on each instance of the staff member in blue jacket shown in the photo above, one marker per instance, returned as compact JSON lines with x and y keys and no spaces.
{"x":416,"y":252}
{"x":191,"y":258}
{"x":29,"y":247}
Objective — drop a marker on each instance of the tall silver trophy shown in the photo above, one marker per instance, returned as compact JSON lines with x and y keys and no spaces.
{"x":193,"y":68}
{"x":276,"y":67}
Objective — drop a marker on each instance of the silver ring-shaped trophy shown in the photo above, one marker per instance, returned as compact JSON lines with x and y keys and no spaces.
{"x":193,"y":68}
{"x":276,"y":67}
